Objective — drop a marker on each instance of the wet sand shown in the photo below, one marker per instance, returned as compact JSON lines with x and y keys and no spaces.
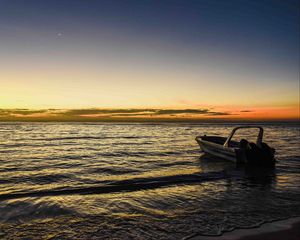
{"x":285,"y":229}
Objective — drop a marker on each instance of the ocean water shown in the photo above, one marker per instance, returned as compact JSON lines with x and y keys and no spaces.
{"x":138,"y":181}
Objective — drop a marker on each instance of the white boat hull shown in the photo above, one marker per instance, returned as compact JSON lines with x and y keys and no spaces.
{"x":220,"y":151}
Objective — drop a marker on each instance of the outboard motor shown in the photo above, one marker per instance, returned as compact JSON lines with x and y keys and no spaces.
{"x":260,"y":155}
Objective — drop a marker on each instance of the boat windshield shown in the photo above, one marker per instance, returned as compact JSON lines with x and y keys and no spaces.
{"x":250,"y":133}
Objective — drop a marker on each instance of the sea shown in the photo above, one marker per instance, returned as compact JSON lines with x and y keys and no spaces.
{"x":139,"y":181}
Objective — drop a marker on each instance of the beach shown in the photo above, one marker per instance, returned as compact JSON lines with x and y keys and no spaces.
{"x":288,"y":229}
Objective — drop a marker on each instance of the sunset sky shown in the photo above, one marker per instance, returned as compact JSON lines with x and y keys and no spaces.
{"x":73,"y":59}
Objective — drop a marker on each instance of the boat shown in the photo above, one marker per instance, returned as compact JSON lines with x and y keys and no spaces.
{"x":244,"y":152}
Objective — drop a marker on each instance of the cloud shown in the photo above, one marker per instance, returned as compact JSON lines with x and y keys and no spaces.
{"x":181,"y":111}
{"x":137,"y":112}
{"x":95,"y":111}
{"x":246,"y":111}
{"x":130,"y":114}
{"x":219,"y":113}
{"x":23,"y":112}
{"x":98,"y":114}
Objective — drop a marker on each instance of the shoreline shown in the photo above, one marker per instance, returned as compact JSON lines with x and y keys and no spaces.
{"x":288,"y":229}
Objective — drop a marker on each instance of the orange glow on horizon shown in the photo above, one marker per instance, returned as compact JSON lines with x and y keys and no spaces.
{"x":157,"y":114}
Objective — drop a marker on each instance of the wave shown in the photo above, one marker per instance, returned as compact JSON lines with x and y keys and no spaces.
{"x":86,"y":137}
{"x":23,"y":209}
{"x":147,"y":153}
{"x":123,"y":185}
{"x":113,"y":170}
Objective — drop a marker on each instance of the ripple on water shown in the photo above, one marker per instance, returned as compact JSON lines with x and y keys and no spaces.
{"x":161,"y":188}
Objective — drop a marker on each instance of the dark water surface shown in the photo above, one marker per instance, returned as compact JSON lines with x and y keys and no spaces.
{"x":137,"y":181}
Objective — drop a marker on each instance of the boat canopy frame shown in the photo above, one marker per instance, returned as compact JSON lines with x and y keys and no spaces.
{"x":259,"y":136}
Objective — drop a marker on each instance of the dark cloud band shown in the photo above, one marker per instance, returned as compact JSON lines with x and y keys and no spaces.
{"x":107,"y":113}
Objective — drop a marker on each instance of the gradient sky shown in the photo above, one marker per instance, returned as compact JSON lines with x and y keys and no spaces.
{"x":230,"y":56}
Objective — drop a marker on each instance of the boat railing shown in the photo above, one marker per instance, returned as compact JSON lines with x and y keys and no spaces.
{"x":259,"y":136}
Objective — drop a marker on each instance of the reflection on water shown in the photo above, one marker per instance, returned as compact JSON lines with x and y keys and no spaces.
{"x":79,"y":181}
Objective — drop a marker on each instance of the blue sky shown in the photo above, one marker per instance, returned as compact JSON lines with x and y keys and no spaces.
{"x":107,"y":53}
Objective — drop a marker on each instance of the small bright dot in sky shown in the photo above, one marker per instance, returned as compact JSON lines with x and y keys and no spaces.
{"x":59,"y":34}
